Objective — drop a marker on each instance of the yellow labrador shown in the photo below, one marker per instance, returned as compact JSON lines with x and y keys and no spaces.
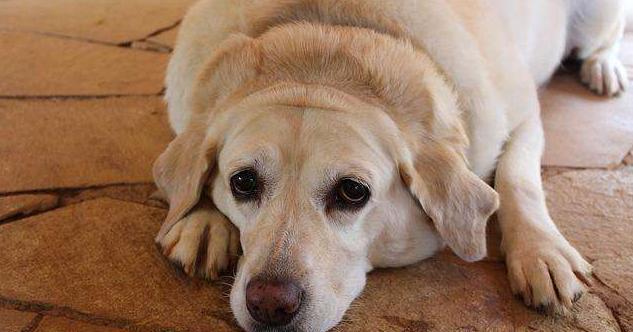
{"x":331,"y":137}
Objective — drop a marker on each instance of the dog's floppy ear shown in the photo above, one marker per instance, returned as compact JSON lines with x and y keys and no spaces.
{"x":181,"y":171}
{"x":457,"y":200}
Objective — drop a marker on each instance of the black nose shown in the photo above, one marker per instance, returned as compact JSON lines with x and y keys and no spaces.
{"x":273,"y":302}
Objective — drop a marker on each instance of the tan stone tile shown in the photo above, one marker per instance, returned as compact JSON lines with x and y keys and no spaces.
{"x":139,"y":193}
{"x":582,"y":129}
{"x":26,"y":204}
{"x":446,"y":294}
{"x":60,"y":324}
{"x":13,"y":320}
{"x":167,"y":38}
{"x":37,"y":65}
{"x":585,"y":130}
{"x":102,"y":252}
{"x":617,"y":273}
{"x":105,"y":20}
{"x":76,"y":143}
{"x":593,"y":209}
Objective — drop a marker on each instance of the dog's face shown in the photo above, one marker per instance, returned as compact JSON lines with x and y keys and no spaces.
{"x":323,"y":186}
{"x":311,"y":191}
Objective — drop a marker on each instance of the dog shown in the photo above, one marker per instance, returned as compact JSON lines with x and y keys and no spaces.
{"x":326,"y":138}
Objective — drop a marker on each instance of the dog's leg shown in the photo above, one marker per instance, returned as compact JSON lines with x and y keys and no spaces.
{"x":204,"y":242}
{"x":542,"y":266}
{"x":596,"y":31}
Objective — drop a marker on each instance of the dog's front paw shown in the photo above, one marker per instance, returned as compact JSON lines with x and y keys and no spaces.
{"x":204,"y":243}
{"x":604,"y":74}
{"x":549,"y":274}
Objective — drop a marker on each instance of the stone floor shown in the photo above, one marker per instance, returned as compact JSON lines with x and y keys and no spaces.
{"x":81,"y":121}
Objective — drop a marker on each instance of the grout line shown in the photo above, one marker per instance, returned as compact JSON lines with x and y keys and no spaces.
{"x":43,"y":308}
{"x":79,"y":97}
{"x":69,"y":193}
{"x":126,"y":44}
{"x":72,"y":190}
{"x":34,"y":324}
{"x":161,"y":30}
{"x":613,"y":309}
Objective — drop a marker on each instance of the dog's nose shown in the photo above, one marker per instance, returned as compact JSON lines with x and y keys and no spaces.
{"x":273,"y":302}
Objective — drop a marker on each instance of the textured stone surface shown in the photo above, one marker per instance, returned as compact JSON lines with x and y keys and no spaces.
{"x":593,"y":209}
{"x":60,"y":324}
{"x":111,"y":21}
{"x":167,"y":38}
{"x":446,"y":294}
{"x":102,"y":251}
{"x":26,"y":204}
{"x":583,"y":129}
{"x":111,"y":269}
{"x":69,"y":143}
{"x":617,"y":273}
{"x":139,"y":193}
{"x":14,"y":321}
{"x":37,"y":65}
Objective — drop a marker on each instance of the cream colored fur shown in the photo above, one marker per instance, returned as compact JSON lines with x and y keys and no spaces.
{"x":422,"y":100}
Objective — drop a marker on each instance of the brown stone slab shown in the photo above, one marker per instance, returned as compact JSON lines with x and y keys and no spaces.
{"x":37,"y":65}
{"x":14,"y":205}
{"x":60,"y":324}
{"x":617,"y":273}
{"x":102,"y":256}
{"x":77,"y":143}
{"x":583,"y":129}
{"x":13,"y":320}
{"x":102,"y":252}
{"x":446,"y":294}
{"x":111,"y":21}
{"x":594,"y":210}
{"x":139,"y":193}
{"x":167,"y":38}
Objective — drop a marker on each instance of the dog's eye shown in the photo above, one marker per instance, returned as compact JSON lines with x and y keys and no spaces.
{"x":352,"y":193}
{"x":245,"y":185}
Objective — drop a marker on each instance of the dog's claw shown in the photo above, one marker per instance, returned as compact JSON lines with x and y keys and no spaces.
{"x":577,"y":297}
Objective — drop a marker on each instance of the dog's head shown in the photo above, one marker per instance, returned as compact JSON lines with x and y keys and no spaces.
{"x":326,"y":175}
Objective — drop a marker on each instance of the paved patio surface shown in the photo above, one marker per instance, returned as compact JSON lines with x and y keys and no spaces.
{"x":81,"y":121}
